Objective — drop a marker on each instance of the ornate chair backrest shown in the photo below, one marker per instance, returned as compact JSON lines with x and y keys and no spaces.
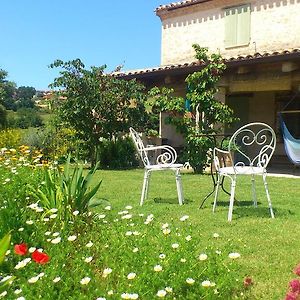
{"x":139,"y":145}
{"x":253,"y":145}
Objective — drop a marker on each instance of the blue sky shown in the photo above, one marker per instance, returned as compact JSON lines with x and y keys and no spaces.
{"x":36,"y":32}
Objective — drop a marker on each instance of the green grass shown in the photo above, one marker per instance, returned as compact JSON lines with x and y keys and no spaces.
{"x":269,"y":247}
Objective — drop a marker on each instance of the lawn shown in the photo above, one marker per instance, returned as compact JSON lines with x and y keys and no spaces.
{"x":269,"y":247}
{"x":160,"y":250}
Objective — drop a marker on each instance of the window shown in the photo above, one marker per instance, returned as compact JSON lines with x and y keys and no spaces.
{"x":237,"y":26}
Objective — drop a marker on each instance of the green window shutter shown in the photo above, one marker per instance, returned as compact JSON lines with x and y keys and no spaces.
{"x":237,"y":26}
{"x":243,"y":25}
{"x":230,"y":27}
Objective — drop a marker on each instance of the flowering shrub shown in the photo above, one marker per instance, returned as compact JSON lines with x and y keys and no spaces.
{"x":111,"y":254}
{"x":132,"y":257}
{"x":18,"y":168}
{"x":10,"y":138}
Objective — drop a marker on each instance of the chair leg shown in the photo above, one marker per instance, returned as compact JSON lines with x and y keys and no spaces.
{"x":253,"y":190}
{"x":145,"y":187}
{"x":179,"y":187}
{"x":217,"y":191}
{"x":268,"y":195}
{"x":232,"y":191}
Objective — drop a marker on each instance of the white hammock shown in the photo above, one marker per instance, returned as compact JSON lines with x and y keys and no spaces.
{"x":291,"y":144}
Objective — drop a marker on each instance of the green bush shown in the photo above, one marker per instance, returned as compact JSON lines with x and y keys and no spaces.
{"x":66,"y":190}
{"x":24,"y":118}
{"x":28,"y":117}
{"x":10,"y":138}
{"x":117,"y":154}
{"x":3,"y":116}
{"x":55,"y":143}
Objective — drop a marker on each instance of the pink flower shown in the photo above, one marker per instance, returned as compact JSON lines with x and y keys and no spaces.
{"x":295,"y":285}
{"x":291,"y":296}
{"x":297,"y":270}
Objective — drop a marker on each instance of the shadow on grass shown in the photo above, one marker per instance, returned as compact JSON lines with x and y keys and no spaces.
{"x":237,"y":203}
{"x":261,"y":212}
{"x":171,"y":200}
{"x":245,"y":208}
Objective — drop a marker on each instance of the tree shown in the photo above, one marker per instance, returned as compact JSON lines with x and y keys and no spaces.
{"x":96,"y":104}
{"x":205,"y":115}
{"x":3,"y":117}
{"x":3,"y":75}
{"x":7,"y":91}
{"x":24,"y":97}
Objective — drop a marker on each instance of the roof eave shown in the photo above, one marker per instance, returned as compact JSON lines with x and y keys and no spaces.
{"x":172,"y":6}
{"x":196,"y":66}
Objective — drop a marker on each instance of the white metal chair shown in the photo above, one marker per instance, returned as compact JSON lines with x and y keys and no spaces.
{"x":165,"y":158}
{"x":249,"y":152}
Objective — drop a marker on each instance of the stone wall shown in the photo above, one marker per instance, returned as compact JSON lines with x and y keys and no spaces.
{"x":275,"y":26}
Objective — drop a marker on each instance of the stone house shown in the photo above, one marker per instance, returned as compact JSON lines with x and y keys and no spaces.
{"x":260,"y":41}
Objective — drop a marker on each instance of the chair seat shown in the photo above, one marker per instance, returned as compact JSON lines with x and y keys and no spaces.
{"x":164,"y":167}
{"x":240,"y":170}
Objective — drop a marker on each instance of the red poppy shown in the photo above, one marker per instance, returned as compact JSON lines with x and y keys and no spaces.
{"x":40,"y":257}
{"x":20,"y":249}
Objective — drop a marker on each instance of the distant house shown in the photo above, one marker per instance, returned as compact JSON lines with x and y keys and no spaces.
{"x":260,"y":40}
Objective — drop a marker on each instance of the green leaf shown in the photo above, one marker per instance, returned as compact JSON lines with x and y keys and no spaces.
{"x":4,"y":245}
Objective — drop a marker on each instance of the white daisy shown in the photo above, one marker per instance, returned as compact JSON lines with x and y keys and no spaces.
{"x":190,"y":281}
{"x":72,"y":238}
{"x":157,"y":268}
{"x":184,"y":218}
{"x":234,"y":255}
{"x":161,"y":293}
{"x":56,"y":279}
{"x":88,"y":259}
{"x":106,"y":272}
{"x":89,"y":244}
{"x":33,"y":279}
{"x":206,"y":283}
{"x":56,"y":240}
{"x":203,"y":256}
{"x":85,"y":280}
{"x":131,"y":276}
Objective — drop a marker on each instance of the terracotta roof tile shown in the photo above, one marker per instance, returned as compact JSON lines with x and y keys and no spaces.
{"x":239,"y":59}
{"x":175,"y":5}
